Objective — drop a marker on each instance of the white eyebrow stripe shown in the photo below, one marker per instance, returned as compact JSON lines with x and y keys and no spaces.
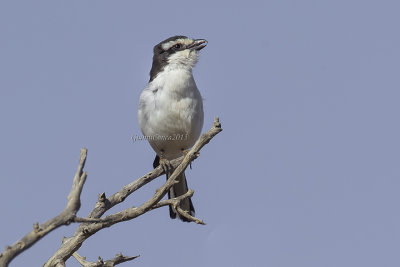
{"x":170,"y":44}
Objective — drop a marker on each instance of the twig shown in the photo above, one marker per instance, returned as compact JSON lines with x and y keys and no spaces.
{"x":119,"y":258}
{"x":64,"y":218}
{"x":85,"y":230}
{"x":175,"y":203}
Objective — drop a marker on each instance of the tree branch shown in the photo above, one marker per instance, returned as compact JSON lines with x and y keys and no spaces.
{"x":85,"y":230}
{"x":175,"y":203}
{"x":119,"y":258}
{"x":64,"y":218}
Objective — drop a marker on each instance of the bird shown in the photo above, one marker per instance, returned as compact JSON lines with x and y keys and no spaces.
{"x":170,"y":111}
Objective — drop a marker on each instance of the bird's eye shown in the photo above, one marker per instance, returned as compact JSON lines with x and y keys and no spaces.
{"x":177,"y":46}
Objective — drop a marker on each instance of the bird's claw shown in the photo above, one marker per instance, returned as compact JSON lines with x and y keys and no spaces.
{"x":165,"y":164}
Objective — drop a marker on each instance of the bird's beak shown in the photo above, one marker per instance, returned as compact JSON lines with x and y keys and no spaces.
{"x":198,"y":44}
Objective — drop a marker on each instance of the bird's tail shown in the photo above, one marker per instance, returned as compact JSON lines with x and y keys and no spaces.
{"x":177,"y":190}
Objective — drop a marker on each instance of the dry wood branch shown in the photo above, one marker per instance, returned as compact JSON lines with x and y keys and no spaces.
{"x":64,"y":218}
{"x":119,"y":258}
{"x":85,"y":230}
{"x":87,"y":220}
{"x":175,"y":203}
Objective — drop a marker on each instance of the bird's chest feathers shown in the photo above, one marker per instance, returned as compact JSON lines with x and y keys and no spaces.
{"x":172,"y":106}
{"x":177,"y":93}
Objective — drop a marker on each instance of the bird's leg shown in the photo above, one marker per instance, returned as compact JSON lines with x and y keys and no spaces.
{"x":164,"y":163}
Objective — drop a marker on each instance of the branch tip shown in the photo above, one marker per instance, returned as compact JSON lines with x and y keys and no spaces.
{"x":101,"y":197}
{"x":216,"y":123}
{"x":36,"y":227}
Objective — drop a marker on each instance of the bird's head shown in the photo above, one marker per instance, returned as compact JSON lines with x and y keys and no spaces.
{"x":176,"y":52}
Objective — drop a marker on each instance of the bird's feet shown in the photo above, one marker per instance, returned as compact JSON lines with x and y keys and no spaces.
{"x":185,"y":151}
{"x":165,"y":164}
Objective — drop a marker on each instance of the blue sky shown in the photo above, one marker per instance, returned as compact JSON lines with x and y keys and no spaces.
{"x":305,"y":173}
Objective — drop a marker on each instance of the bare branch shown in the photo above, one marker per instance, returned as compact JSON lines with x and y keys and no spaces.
{"x":119,"y":258}
{"x":85,"y":230}
{"x":87,"y":220}
{"x":188,"y":216}
{"x":175,"y":203}
{"x":64,"y":218}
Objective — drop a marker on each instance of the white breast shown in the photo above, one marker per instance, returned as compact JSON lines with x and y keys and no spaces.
{"x":171,"y":112}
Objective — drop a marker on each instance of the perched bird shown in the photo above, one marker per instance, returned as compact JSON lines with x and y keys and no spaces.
{"x":171,"y":108}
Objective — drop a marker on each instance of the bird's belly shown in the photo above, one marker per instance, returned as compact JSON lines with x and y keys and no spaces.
{"x":174,"y":125}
